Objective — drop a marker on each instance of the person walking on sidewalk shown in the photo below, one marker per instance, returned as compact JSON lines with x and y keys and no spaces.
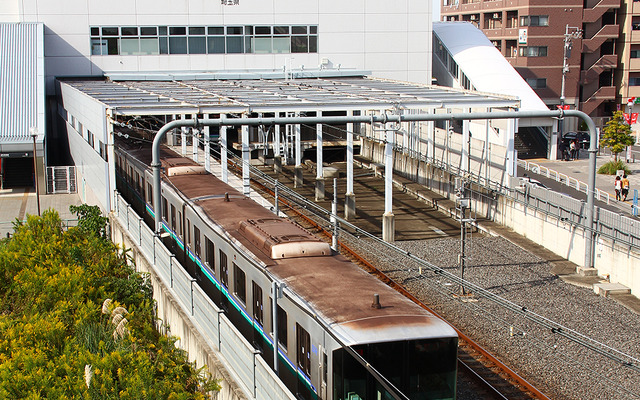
{"x":625,"y":187}
{"x":572,"y":149}
{"x":617,"y":185}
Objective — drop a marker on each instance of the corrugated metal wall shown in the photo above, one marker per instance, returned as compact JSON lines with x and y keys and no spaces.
{"x":19,"y":81}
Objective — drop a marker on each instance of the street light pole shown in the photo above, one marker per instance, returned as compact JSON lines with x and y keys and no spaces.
{"x":570,"y":32}
{"x":34,"y":135}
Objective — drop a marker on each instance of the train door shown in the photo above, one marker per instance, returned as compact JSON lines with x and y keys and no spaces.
{"x":303,"y":357}
{"x":258,"y":314}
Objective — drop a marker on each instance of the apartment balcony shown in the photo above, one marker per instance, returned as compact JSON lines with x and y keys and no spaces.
{"x":469,"y":6}
{"x":594,"y":43}
{"x":605,"y":63}
{"x":603,"y":93}
{"x":593,"y":14}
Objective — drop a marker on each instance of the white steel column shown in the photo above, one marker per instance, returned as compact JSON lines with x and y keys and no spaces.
{"x":223,"y":154}
{"x":277,"y":158}
{"x":487,"y":158}
{"x":183,"y":137}
{"x":298,"y":180}
{"x":319,"y":166}
{"x":171,"y":135}
{"x":512,"y":154}
{"x":388,"y":219}
{"x":553,"y":150}
{"x":207,"y":148}
{"x":431,"y":135}
{"x":195,"y":133}
{"x":246,"y":159}
{"x":350,"y":197}
{"x":466,"y":141}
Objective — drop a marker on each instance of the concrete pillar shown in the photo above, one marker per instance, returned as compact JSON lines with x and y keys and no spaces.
{"x":350,"y":197}
{"x":183,"y":137}
{"x":319,"y":167}
{"x":223,"y":154}
{"x":388,"y":219}
{"x":207,"y":149}
{"x":246,"y":160}
{"x":298,"y":180}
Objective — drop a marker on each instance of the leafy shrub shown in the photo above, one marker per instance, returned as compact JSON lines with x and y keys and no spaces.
{"x":611,"y":168}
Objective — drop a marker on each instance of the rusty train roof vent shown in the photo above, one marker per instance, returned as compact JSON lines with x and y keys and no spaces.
{"x":282,"y":239}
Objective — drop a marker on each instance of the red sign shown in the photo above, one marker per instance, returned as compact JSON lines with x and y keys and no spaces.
{"x":564,"y":107}
{"x":630,"y":118}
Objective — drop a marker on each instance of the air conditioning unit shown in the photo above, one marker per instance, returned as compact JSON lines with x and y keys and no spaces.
{"x":496,"y":15}
{"x":473,"y":18}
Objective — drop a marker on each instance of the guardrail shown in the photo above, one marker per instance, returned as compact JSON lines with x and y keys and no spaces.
{"x":252,"y":373}
{"x":563,"y":178}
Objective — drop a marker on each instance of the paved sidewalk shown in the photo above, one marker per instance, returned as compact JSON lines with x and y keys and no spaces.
{"x":17,"y":203}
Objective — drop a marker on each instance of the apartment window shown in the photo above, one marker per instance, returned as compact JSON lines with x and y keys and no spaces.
{"x":512,"y":19}
{"x":537,"y":83}
{"x":635,"y":53}
{"x":263,"y":39}
{"x":534,"y":20}
{"x":634,"y":80}
{"x":533,"y":51}
{"x":240,"y":284}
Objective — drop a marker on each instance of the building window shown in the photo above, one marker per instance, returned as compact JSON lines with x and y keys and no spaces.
{"x":144,"y":40}
{"x":534,"y":20}
{"x":533,"y":51}
{"x":634,"y":80}
{"x":537,"y":83}
{"x":635,"y":53}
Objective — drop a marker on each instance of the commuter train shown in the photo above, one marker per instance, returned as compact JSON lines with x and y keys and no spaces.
{"x":327,"y":319}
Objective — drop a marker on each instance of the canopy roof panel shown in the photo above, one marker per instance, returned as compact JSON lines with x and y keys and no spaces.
{"x":142,"y":97}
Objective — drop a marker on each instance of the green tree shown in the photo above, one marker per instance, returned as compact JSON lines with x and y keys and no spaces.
{"x":616,"y":134}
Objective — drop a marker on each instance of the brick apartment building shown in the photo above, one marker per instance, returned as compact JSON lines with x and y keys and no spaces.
{"x":531,"y":35}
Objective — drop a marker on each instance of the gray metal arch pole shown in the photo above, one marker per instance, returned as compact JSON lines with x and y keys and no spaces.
{"x":384,"y":118}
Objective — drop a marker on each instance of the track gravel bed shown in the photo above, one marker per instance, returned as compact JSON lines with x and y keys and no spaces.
{"x":560,"y":368}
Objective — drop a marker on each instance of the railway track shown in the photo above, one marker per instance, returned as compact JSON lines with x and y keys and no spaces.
{"x":496,"y":379}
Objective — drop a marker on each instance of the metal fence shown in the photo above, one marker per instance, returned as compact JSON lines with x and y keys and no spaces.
{"x":609,"y":225}
{"x":244,"y":362}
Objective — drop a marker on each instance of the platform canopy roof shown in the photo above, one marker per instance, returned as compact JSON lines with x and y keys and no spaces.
{"x":155,"y":97}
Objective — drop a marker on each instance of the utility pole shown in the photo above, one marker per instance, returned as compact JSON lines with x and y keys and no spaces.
{"x":570,"y":33}
{"x":34,"y":135}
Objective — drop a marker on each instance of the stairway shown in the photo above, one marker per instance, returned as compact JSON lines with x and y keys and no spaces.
{"x":531,"y":142}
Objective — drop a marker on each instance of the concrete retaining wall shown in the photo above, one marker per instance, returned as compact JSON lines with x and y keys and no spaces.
{"x":176,"y":322}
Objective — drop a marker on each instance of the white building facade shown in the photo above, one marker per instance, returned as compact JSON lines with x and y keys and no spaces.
{"x":91,"y":37}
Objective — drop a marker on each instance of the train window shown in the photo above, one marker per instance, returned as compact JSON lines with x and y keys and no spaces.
{"x":173,"y":217}
{"x":324,"y":367}
{"x":164,"y":208}
{"x":224,"y":269}
{"x":282,"y":327}
{"x":257,"y":303}
{"x":240,"y":284}
{"x":210,"y":253}
{"x":303,"y":350}
{"x":130,"y":176}
{"x":196,"y":240}
{"x":138,"y":183}
{"x":188,"y":232}
{"x":180,"y":225}
{"x":150,"y":193}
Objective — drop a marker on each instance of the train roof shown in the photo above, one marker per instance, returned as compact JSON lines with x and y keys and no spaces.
{"x":337,"y":290}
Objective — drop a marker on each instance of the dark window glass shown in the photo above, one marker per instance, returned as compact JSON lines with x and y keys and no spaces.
{"x":180,"y":233}
{"x":129,"y":31}
{"x":263,"y":30}
{"x":303,"y":349}
{"x":177,"y":30}
{"x":313,"y":29}
{"x":95,"y":31}
{"x":299,"y":30}
{"x":240,"y":284}
{"x":313,"y":44}
{"x":216,"y":30}
{"x":162,"y":30}
{"x":197,"y":45}
{"x":234,"y":30}
{"x":177,"y":45}
{"x":148,"y":31}
{"x":258,"y":311}
{"x":106,"y":31}
{"x":282,"y":327}
{"x":196,"y":240}
{"x":216,"y":44}
{"x":211,"y":253}
{"x":234,"y":45}
{"x":299,"y":44}
{"x":196,"y":30}
{"x":280,"y":30}
{"x":112,"y":46}
{"x":164,"y":208}
{"x":248,"y":30}
{"x":173,"y":217}
{"x":224,"y":269}
{"x":163,"y":45}
{"x":188,"y":233}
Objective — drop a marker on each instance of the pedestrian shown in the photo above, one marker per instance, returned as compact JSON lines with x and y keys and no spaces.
{"x":625,"y":187}
{"x":618,"y":187}
{"x":572,"y":149}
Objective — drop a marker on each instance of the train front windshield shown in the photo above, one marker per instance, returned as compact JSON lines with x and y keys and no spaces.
{"x":420,"y":369}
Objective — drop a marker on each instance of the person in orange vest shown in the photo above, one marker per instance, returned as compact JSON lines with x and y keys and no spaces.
{"x":625,"y":187}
